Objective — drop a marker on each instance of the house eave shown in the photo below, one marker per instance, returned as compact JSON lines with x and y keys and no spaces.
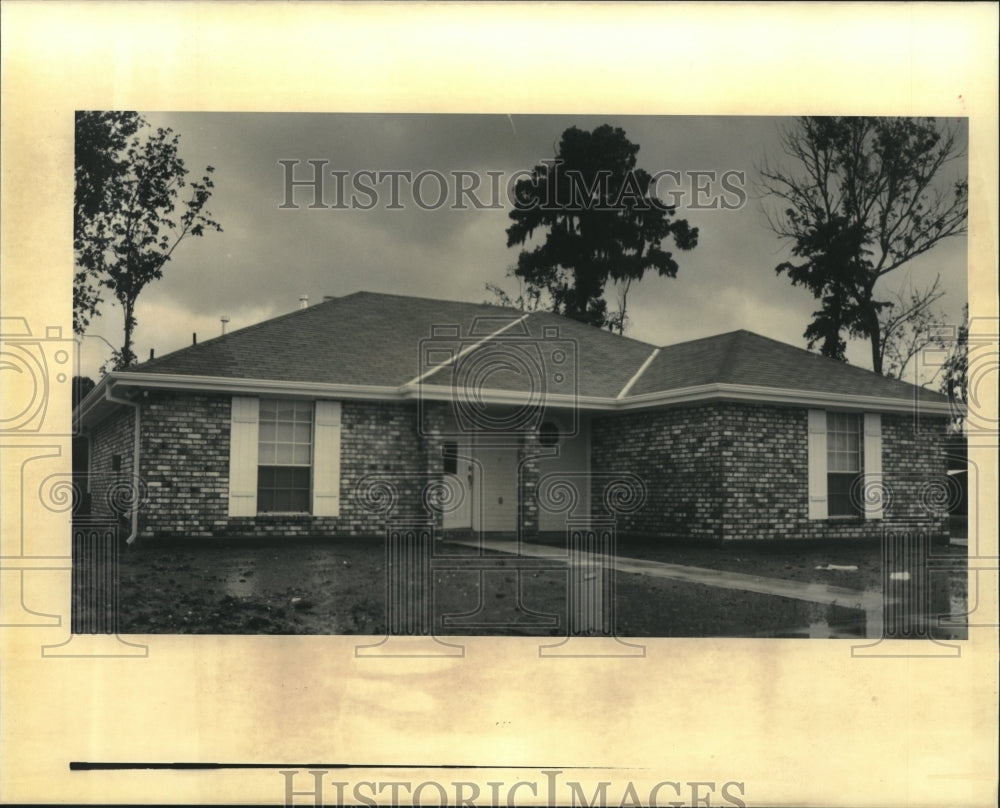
{"x":91,"y":409}
{"x":510,"y":397}
{"x":218,"y":384}
{"x":788,"y":397}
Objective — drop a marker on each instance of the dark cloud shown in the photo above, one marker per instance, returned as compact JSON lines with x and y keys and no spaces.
{"x":266,"y":257}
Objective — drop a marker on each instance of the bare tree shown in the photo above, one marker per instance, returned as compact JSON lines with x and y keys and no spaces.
{"x":864,"y":196}
{"x":617,"y":321}
{"x":529,"y":297}
{"x":910,"y":324}
{"x":955,"y":378}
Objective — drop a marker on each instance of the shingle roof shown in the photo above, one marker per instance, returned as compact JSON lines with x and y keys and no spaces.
{"x":362,"y":338}
{"x":550,"y":353}
{"x":745,"y":358}
{"x":388,"y":340}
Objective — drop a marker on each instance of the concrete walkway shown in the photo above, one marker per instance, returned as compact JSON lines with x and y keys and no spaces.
{"x":780,"y":587}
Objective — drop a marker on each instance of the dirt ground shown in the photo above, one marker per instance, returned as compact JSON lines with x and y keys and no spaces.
{"x":340,"y":586}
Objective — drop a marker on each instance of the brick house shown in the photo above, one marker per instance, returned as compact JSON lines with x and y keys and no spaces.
{"x":325,"y":420}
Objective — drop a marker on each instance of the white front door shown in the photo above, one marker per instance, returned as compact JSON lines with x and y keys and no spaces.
{"x":495,"y":489}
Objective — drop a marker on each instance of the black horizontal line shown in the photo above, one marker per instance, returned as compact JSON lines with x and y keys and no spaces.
{"x":90,"y":765}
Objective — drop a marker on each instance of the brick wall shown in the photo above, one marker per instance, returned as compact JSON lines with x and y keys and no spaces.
{"x":110,"y":489}
{"x":678,"y":455}
{"x":724,"y":471}
{"x":766,"y":478}
{"x":733,"y":471}
{"x":184,"y":458}
{"x":914,"y":466}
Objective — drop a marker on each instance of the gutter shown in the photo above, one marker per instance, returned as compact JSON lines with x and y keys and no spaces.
{"x":109,"y":396}
{"x":698,"y":393}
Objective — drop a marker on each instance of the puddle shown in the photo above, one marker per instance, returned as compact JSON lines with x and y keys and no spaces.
{"x":235,"y":585}
{"x":939,"y":613}
{"x":305,"y":588}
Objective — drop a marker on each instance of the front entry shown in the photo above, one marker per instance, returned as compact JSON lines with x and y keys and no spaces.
{"x":485,"y":478}
{"x":494,"y":489}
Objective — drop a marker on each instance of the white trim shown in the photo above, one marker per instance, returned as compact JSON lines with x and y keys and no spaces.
{"x":463,"y":352}
{"x":244,"y":423}
{"x":441,"y":392}
{"x":637,"y":374}
{"x":698,"y":393}
{"x":266,"y":387}
{"x":326,"y":459}
{"x":791,"y":396}
{"x":819,"y":506}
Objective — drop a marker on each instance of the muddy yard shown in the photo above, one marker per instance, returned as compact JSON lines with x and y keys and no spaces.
{"x":341,"y":587}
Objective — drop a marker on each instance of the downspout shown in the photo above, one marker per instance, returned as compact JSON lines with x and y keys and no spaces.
{"x":135,"y":459}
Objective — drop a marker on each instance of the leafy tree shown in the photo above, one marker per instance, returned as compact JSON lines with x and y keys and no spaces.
{"x":101,"y":138}
{"x":128,"y":217}
{"x":602,"y":224}
{"x":865,"y":196}
{"x":81,"y":386}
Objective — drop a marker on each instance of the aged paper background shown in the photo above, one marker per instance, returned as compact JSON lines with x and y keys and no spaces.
{"x":797,"y":722}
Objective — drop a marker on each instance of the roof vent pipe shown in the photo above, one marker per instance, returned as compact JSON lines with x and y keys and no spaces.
{"x":194,"y":338}
{"x":224,"y":319}
{"x":303,"y":301}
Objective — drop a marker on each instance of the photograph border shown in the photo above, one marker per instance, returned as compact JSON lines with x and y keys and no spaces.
{"x":767,"y":714}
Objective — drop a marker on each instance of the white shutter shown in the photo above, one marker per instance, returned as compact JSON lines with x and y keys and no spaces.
{"x":817,"y":465}
{"x":326,"y":459}
{"x":873,"y":465}
{"x":243,"y":457}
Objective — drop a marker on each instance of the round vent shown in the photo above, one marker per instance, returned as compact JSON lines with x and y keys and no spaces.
{"x":548,"y":434}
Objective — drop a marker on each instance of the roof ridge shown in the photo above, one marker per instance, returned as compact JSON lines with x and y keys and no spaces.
{"x":330,"y":299}
{"x":702,"y":339}
{"x":244,"y":329}
{"x":433,"y":300}
{"x":599,"y":330}
{"x":729,"y":356}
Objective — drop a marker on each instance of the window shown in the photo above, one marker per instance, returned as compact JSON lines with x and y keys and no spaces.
{"x":450,"y":454}
{"x":271,"y":444}
{"x":284,"y":456}
{"x":844,"y":451}
{"x":843,"y":462}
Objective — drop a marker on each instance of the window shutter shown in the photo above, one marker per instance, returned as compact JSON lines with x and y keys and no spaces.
{"x":243,"y":456}
{"x":326,"y":459}
{"x":873,"y":465}
{"x":817,"y":465}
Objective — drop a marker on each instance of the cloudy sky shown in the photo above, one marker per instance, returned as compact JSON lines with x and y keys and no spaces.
{"x":268,"y":256}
